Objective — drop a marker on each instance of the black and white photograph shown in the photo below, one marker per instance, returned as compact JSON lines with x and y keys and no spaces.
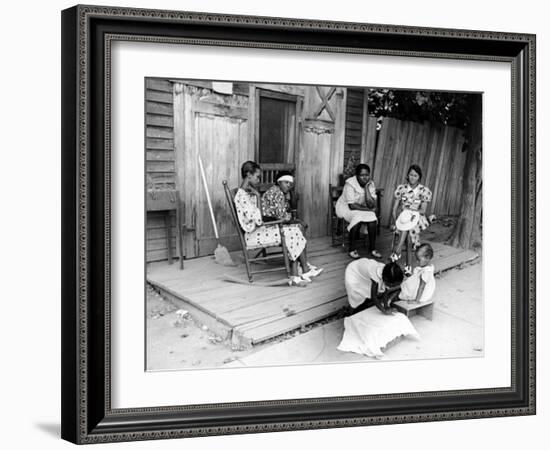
{"x":292,"y":224}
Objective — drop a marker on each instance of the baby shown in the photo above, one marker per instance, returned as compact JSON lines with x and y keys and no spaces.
{"x":420,"y":286}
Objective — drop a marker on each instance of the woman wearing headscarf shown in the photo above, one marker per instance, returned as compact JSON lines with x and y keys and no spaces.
{"x":259,"y":234}
{"x":356,"y":206}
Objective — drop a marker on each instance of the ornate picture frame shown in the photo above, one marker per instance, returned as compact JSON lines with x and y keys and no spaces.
{"x":87,"y":35}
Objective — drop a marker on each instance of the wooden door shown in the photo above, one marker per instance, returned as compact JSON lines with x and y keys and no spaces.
{"x":321,"y":154}
{"x":214,"y":126}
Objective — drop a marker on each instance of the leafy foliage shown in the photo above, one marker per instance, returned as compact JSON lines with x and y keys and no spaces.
{"x":448,"y":108}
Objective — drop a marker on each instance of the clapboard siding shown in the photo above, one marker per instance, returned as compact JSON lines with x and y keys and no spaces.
{"x":354,"y":128}
{"x":156,"y":236}
{"x":160,"y":161}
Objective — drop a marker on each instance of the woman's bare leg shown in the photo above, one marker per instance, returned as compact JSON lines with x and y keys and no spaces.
{"x":294,"y":268}
{"x":303,"y":261}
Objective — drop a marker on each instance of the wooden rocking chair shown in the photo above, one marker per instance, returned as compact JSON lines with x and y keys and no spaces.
{"x":230,"y":197}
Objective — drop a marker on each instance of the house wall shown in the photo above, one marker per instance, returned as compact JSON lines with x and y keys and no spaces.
{"x":160,"y":163}
{"x":334,"y":133}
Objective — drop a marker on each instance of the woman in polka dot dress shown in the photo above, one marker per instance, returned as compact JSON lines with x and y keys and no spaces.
{"x":258,"y":235}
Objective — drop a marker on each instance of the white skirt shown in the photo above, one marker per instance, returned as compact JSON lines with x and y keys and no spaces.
{"x":353,"y":217}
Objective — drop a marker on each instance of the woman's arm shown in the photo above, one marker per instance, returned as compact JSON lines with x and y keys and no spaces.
{"x":358,"y":207}
{"x":421,"y":287}
{"x":423,"y":207}
{"x":377,"y":301}
{"x":369,"y":199}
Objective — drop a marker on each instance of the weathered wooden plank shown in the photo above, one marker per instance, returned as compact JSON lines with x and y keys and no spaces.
{"x":160,"y":166}
{"x":314,"y":294}
{"x":226,"y":111}
{"x":164,"y":180}
{"x":222,"y":303}
{"x":160,"y":155}
{"x":158,"y":255}
{"x":159,"y":108}
{"x":159,"y":121}
{"x":314,"y":174}
{"x":159,"y":132}
{"x":355,"y":110}
{"x":158,"y":84}
{"x":159,"y":244}
{"x":269,"y":330}
{"x":159,"y":97}
{"x":159,"y":144}
{"x":159,"y":233}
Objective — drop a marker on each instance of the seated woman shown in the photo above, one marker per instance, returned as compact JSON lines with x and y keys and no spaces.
{"x":410,"y":197}
{"x":356,"y":205}
{"x":276,"y":201}
{"x":259,"y":234}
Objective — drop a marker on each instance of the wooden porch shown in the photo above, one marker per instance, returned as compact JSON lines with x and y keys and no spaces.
{"x":248,"y":314}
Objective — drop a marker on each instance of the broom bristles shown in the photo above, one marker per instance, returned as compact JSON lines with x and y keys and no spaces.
{"x":222,"y":256}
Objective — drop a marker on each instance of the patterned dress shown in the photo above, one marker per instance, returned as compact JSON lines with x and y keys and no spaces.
{"x":258,"y":235}
{"x":412,"y":198}
{"x":275,"y":204}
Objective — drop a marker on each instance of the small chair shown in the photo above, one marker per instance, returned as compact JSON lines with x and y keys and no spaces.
{"x":412,"y":308}
{"x":230,"y":197}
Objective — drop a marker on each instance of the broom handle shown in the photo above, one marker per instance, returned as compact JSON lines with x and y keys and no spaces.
{"x":208,"y":199}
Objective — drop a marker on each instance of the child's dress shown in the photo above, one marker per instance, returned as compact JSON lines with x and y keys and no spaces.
{"x":412,"y":198}
{"x":409,"y":287}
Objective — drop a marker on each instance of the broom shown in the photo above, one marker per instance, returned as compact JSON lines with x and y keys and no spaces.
{"x":221,"y":255}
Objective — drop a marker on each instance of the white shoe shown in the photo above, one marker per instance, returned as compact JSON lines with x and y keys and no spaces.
{"x":297,"y":281}
{"x":312,"y":273}
{"x":306,"y":277}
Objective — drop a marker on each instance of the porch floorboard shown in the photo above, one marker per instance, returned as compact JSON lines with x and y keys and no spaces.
{"x":249,"y":313}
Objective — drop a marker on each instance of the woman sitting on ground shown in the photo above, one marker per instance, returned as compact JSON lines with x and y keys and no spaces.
{"x":259,"y":234}
{"x":411,"y":201}
{"x":356,"y":205}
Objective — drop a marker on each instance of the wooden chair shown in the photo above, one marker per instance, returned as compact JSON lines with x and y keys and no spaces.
{"x":265,"y":256}
{"x":338,"y":226}
{"x":269,"y":174}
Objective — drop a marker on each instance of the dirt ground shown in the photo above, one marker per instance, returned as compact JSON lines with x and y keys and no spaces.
{"x":176,"y":341}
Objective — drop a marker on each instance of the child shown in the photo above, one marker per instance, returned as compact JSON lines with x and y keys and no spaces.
{"x":369,"y":279}
{"x":420,"y":286}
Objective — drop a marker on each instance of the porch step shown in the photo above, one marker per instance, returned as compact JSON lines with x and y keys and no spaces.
{"x":251,"y":336}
